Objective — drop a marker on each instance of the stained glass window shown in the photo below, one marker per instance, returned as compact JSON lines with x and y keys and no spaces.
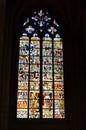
{"x":40,"y":92}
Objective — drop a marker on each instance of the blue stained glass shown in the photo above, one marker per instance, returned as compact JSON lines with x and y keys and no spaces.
{"x":47,"y":35}
{"x":52,"y":30}
{"x":41,"y":18}
{"x":30,"y":29}
{"x":35,"y":35}
{"x":54,"y":22}
{"x":41,"y":13}
{"x":57,"y":35}
{"x":27,"y":21}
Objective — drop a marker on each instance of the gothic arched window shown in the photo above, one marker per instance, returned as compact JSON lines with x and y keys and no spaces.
{"x":40,"y":91}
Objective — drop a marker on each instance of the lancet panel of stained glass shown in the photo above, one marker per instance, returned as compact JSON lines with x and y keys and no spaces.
{"x":58,"y":79}
{"x":23,"y":69}
{"x":47,"y":78}
{"x":34,"y":90}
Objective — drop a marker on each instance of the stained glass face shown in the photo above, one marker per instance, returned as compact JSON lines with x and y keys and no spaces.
{"x":40,"y":91}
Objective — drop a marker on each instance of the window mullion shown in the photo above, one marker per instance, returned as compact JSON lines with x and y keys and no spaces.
{"x":29,"y":78}
{"x":53,"y":72}
{"x":41,"y":98}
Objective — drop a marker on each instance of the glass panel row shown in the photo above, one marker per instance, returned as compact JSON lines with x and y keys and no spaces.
{"x":35,"y":76}
{"x":35,"y":113}
{"x":36,"y":85}
{"x":36,"y":68}
{"x":36,"y":60}
{"x":35,"y":103}
{"x":34,"y":94}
